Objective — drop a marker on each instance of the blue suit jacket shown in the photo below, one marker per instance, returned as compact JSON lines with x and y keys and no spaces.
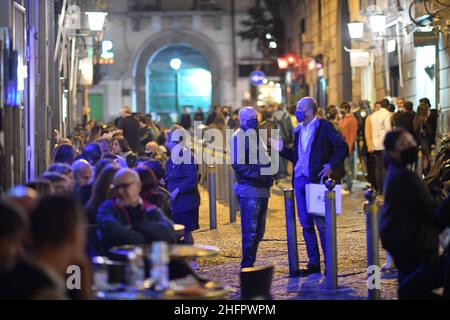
{"x":328,"y":146}
{"x":185,"y":177}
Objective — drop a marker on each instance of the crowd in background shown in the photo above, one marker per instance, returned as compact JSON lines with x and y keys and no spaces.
{"x":113,"y":184}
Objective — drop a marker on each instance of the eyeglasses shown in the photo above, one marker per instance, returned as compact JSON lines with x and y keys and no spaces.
{"x":123,"y":185}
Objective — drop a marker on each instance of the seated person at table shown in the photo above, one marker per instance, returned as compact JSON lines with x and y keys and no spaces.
{"x":152,"y":193}
{"x":82,"y":174}
{"x":128,"y":219}
{"x":58,"y":241}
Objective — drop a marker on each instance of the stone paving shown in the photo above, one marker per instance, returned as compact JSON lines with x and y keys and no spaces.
{"x":351,"y":237}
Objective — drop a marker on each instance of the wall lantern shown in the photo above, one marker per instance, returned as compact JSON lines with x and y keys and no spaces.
{"x":356,"y":29}
{"x":377,"y":23}
{"x":96,"y":20}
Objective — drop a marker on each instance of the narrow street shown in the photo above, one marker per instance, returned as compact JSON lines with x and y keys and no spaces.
{"x":273,"y":250}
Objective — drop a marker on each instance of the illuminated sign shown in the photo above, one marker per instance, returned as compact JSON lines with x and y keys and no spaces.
{"x":22,"y":74}
{"x":257,"y":77}
{"x":107,"y":54}
{"x":359,"y":58}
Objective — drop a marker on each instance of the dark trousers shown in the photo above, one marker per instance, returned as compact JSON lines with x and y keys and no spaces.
{"x":282,"y":170}
{"x":408,"y":262}
{"x":253,"y":225}
{"x":307,"y":222}
{"x":370,"y":159}
{"x":379,"y":171}
{"x":420,"y":283}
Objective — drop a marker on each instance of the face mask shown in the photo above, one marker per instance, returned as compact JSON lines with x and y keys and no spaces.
{"x":150,"y":154}
{"x":342,"y":113}
{"x":252,"y":123}
{"x":300,"y":115}
{"x":409,"y":155}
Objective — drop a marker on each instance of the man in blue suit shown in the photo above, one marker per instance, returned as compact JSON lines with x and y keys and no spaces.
{"x":318,"y":151}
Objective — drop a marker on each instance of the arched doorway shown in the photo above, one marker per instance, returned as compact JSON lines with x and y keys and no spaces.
{"x":178,"y":77}
{"x":167,"y":39}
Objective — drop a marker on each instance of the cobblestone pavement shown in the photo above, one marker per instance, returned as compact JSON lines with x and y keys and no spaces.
{"x":273,"y":250}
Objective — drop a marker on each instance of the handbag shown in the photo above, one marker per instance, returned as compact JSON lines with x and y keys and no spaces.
{"x":315,"y":198}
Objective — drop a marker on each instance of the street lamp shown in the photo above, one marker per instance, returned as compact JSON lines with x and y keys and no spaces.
{"x":175,"y":63}
{"x":377,"y":23}
{"x":283,"y":64}
{"x":96,"y":20}
{"x":356,"y":29}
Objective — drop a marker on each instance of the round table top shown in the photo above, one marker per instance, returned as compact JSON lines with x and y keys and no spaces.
{"x":176,"y":251}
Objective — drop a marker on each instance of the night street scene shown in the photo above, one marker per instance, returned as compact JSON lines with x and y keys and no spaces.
{"x":250,"y":152}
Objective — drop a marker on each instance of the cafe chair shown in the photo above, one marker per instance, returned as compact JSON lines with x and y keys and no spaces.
{"x":256,"y":283}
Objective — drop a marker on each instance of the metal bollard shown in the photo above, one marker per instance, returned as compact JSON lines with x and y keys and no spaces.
{"x":372,"y":236}
{"x":226,"y":175}
{"x":331,"y":239}
{"x":233,"y":199}
{"x":419,"y":167}
{"x":291,"y":231}
{"x":220,"y":183}
{"x":212,"y":197}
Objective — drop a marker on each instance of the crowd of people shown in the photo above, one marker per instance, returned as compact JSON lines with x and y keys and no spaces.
{"x":117,"y":184}
{"x":107,"y":186}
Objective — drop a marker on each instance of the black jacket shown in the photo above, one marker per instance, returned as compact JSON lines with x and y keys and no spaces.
{"x":119,"y":226}
{"x":131,"y":129}
{"x":405,"y":120}
{"x":248,"y":173}
{"x":328,"y":146}
{"x":24,"y":282}
{"x":408,"y":219}
{"x":185,"y":177}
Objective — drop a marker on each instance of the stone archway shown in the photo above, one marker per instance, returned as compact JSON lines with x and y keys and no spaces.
{"x":164,"y":39}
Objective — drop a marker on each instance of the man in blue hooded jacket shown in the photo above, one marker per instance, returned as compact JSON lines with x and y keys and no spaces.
{"x":254,"y":176}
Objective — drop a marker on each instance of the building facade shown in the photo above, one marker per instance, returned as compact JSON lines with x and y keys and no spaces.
{"x":203,"y":35}
{"x":392,"y":65}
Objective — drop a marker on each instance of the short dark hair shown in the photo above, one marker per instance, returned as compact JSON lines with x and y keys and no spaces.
{"x":385,"y":103}
{"x":92,"y":153}
{"x":64,"y":153}
{"x":346,"y":106}
{"x":391,"y":138}
{"x":12,"y":220}
{"x":54,"y":219}
{"x":409,"y":106}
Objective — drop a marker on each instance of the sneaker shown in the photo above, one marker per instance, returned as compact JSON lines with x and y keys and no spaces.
{"x":345,"y":192}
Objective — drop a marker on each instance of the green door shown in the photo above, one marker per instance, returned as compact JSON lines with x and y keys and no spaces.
{"x":96,"y":107}
{"x":170,"y":89}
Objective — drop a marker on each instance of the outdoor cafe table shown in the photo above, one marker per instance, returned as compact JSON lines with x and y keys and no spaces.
{"x":176,"y":251}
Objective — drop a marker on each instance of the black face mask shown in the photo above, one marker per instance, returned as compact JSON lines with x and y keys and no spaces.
{"x":409,"y":155}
